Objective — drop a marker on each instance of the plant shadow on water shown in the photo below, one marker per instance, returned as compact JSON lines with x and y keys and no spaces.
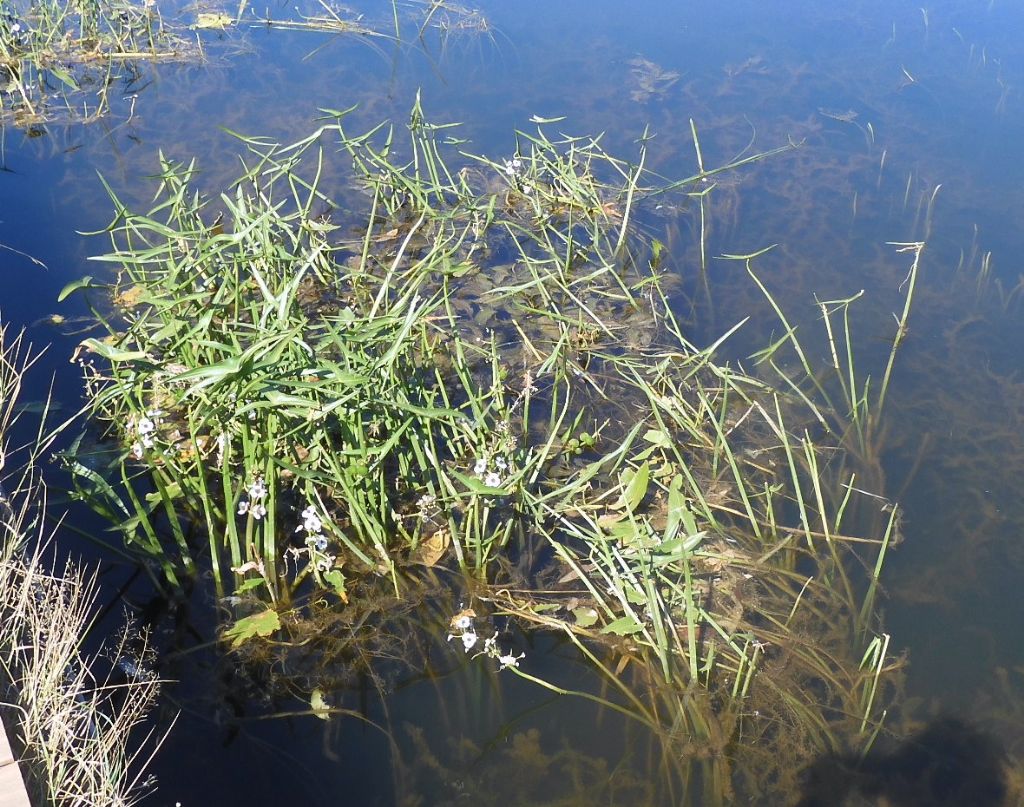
{"x":946,"y":763}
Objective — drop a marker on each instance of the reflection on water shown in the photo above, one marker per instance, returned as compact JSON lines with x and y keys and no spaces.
{"x":889,"y":102}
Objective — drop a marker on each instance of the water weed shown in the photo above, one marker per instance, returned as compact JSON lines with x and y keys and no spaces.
{"x":60,"y":61}
{"x":480,"y":369}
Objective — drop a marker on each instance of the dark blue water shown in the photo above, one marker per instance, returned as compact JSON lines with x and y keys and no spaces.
{"x":889,"y":101}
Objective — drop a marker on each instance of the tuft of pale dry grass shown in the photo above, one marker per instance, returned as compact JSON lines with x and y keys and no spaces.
{"x":76,"y":731}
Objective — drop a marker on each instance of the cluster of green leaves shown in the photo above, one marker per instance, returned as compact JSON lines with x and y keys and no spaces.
{"x":258,"y":357}
{"x":255,"y":347}
{"x":485,"y":362}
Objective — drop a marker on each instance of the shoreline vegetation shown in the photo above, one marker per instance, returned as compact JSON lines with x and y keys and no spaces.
{"x":75,"y":728}
{"x":72,"y":63}
{"x":62,"y":62}
{"x":436,"y":364}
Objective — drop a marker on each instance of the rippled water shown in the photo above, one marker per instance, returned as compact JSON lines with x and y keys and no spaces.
{"x":911,"y":124}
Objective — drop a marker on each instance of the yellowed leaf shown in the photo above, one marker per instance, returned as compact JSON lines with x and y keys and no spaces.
{"x":319,"y":704}
{"x":431,"y":550}
{"x":208,"y":19}
{"x":464,"y":614}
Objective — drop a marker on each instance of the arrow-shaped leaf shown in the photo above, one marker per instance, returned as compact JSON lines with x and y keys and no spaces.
{"x":262,"y":624}
{"x":623,"y":626}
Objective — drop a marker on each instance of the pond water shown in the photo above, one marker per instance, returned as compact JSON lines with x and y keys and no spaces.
{"x":910,"y":125}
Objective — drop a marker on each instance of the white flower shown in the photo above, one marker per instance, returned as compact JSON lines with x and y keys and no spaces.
{"x":500,"y":464}
{"x":258,"y":489}
{"x":258,"y":511}
{"x":137,"y":450}
{"x":510,"y":660}
{"x":469,"y":640}
{"x":320,"y":542}
{"x":311,"y":522}
{"x":464,"y":623}
{"x":16,"y":27}
{"x":146,"y":426}
{"x":147,"y":440}
{"x":481,"y":467}
{"x":243,"y":507}
{"x":492,"y":480}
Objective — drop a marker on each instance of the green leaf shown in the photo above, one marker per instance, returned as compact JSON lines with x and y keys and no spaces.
{"x":249,"y":585}
{"x":677,"y":549}
{"x":294,"y":403}
{"x":626,"y":532}
{"x":476,"y":486}
{"x":96,"y":487}
{"x":75,"y":285}
{"x":623,"y":626}
{"x":262,"y":624}
{"x":211,"y":373}
{"x":686,"y":544}
{"x":584,"y":616}
{"x":111,"y":353}
{"x":171,"y":491}
{"x":634,"y":595}
{"x":635,"y":486}
{"x":214,"y":20}
{"x":64,"y":76}
{"x":679,"y":514}
{"x":336,"y":580}
{"x":658,"y":437}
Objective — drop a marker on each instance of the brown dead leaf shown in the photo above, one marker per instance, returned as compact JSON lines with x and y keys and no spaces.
{"x":432,"y":549}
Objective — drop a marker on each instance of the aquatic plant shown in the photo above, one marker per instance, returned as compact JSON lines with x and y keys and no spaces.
{"x":263,"y":366}
{"x":482,"y":366}
{"x":328,"y":19}
{"x":59,"y":61}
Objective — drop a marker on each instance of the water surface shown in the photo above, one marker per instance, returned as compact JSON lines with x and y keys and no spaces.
{"x":910,"y":122}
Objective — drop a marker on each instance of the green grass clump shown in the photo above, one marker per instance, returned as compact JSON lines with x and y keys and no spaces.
{"x":480,"y":369}
{"x":314,"y":400}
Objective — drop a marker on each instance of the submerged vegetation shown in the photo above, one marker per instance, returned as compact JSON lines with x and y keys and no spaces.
{"x":73,"y":62}
{"x":468,"y":428}
{"x":72,"y":724}
{"x":61,"y":61}
{"x":472,"y":364}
